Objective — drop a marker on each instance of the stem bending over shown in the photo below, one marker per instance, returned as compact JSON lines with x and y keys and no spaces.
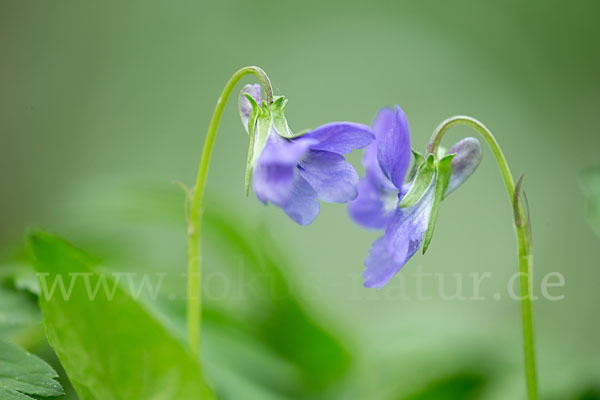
{"x":523,"y":239}
{"x":194,"y":263}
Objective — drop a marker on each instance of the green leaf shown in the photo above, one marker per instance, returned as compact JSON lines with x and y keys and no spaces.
{"x":279,"y":121}
{"x":423,"y":179}
{"x":109,"y":345}
{"x":22,"y":373}
{"x":17,"y":309}
{"x":444,"y":172}
{"x":21,"y":276}
{"x":26,"y":280}
{"x":591,"y":184}
{"x":13,"y":395}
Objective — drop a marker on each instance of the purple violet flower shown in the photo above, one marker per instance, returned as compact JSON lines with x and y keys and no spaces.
{"x":295,"y":171}
{"x":380,"y":204}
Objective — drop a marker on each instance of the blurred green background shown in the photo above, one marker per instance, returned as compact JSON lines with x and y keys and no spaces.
{"x":117,"y":92}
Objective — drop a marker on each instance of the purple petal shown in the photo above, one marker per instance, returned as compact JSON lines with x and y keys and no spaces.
{"x":400,"y":242}
{"x":244,"y":105}
{"x":330,"y":176}
{"x":374,"y":205}
{"x":380,"y":265}
{"x":303,"y":206}
{"x":273,"y":183}
{"x":340,"y":137}
{"x":393,"y":150}
{"x":468,"y":156}
{"x":279,"y":150}
{"x":274,"y":171}
{"x":378,"y":196}
{"x":383,"y":122}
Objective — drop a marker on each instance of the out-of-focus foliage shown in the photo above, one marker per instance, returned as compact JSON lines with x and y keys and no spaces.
{"x":591,"y":183}
{"x":258,"y":343}
{"x":463,"y":386}
{"x":283,"y":325}
{"x":590,"y":394}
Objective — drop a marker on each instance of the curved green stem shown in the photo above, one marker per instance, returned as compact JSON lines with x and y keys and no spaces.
{"x":194,"y":263}
{"x":523,"y":240}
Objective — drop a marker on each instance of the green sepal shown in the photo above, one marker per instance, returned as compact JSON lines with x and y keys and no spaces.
{"x":259,"y":125}
{"x":444,"y":172}
{"x":260,"y":121}
{"x":279,"y":122}
{"x":252,"y":118}
{"x":441,"y":152}
{"x":424,"y":176}
{"x":254,"y":105}
{"x":263,"y":124}
{"x":419,"y":159}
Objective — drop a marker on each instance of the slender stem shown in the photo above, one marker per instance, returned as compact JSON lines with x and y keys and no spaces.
{"x":523,"y":240}
{"x":194,"y":263}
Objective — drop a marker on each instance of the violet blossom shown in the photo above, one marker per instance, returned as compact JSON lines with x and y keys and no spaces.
{"x":380,"y":204}
{"x":292,"y":171}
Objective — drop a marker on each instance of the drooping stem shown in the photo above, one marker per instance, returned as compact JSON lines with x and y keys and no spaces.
{"x":195,"y":211}
{"x":523,"y":240}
